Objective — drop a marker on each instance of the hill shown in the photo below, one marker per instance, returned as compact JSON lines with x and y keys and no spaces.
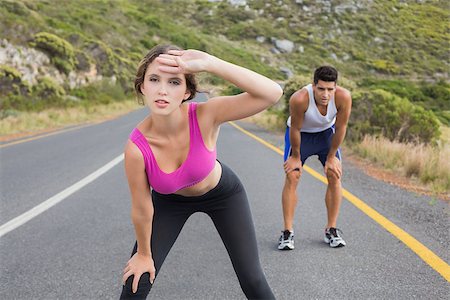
{"x":68,"y":52}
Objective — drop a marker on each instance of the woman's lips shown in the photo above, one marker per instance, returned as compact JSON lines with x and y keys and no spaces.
{"x":161,"y":103}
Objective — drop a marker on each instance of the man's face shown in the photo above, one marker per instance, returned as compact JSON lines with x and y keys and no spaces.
{"x":324,"y":91}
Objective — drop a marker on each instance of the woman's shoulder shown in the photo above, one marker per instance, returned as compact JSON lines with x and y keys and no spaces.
{"x":132,"y":153}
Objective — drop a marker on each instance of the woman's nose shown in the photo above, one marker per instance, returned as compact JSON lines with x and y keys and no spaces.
{"x":162,"y":90}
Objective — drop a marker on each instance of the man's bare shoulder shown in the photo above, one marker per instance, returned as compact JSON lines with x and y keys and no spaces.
{"x":342,"y":93}
{"x":300,"y":96}
{"x":343,"y":97}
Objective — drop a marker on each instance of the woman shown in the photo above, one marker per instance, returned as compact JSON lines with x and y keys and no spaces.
{"x":171,"y":166}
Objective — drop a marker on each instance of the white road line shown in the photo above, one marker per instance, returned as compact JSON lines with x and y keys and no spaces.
{"x":47,"y":204}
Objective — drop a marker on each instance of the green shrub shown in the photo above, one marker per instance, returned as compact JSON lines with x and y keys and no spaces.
{"x":232,"y":90}
{"x":293,"y":85}
{"x":186,"y":39}
{"x":380,"y":112}
{"x":83,"y":61}
{"x":153,"y":22}
{"x":47,"y":87}
{"x":102,"y":92}
{"x":105,"y":59}
{"x":431,"y":96}
{"x":16,"y":7}
{"x":11,"y":82}
{"x":60,"y":51}
{"x":385,"y":66}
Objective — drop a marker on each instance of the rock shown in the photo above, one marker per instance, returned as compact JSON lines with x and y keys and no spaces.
{"x":260,"y":39}
{"x":340,"y":9}
{"x":237,"y":2}
{"x":287,"y":72}
{"x":33,"y":64}
{"x":284,"y":46}
{"x":378,"y":40}
{"x":275,"y":50}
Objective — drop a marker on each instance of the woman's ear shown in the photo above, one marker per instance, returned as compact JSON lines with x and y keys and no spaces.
{"x":141,"y":88}
{"x":186,"y":95}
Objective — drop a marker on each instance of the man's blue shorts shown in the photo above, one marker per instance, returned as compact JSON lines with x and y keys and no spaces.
{"x":317,"y":143}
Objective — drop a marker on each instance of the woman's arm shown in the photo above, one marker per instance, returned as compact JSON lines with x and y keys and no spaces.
{"x":259,"y":93}
{"x":141,"y":215}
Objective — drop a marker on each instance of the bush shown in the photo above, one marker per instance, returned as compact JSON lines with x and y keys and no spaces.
{"x":293,"y":85}
{"x":382,"y":113}
{"x":11,"y":82}
{"x":102,"y":92}
{"x":431,"y":96}
{"x":60,"y":51}
{"x":105,"y":59}
{"x":15,"y":7}
{"x":46,"y":93}
{"x":47,"y":88}
{"x":83,"y":61}
{"x":385,"y":66}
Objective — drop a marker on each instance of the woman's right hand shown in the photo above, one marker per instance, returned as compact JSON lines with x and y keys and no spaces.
{"x":185,"y":61}
{"x":138,"y":265}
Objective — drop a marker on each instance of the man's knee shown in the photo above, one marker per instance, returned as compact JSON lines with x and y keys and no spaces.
{"x":292,"y":178}
{"x":333,"y":178}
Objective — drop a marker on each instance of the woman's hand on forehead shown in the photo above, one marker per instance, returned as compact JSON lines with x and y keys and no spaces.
{"x":183,"y":61}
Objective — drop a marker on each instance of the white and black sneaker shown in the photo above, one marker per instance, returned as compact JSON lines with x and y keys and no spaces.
{"x":333,"y":237}
{"x":286,"y":241}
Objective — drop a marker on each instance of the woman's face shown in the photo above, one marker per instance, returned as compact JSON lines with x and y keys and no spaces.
{"x":163,"y":92}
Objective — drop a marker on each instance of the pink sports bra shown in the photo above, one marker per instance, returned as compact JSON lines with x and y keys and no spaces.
{"x":197,"y":166}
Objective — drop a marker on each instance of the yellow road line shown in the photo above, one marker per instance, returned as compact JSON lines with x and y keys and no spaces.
{"x":42,"y":136}
{"x":417,"y":247}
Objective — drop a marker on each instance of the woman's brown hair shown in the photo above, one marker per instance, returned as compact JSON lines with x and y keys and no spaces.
{"x":191,"y":83}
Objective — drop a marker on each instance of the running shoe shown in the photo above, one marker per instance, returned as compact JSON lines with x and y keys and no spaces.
{"x":333,"y":237}
{"x":286,"y":241}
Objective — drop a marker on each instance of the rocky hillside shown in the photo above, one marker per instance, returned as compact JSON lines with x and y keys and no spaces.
{"x":67,"y":52}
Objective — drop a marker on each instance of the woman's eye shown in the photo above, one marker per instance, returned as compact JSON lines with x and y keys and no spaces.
{"x":153,"y":79}
{"x":175,"y":82}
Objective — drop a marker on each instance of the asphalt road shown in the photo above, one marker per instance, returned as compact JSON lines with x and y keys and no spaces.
{"x":77,"y":248}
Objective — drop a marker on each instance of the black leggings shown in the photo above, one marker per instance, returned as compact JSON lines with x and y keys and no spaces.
{"x":227,"y":205}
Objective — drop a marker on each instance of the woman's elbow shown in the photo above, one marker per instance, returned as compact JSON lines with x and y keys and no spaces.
{"x":275,"y":94}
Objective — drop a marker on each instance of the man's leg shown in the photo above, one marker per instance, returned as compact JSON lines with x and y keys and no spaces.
{"x":333,"y":198}
{"x":289,"y":199}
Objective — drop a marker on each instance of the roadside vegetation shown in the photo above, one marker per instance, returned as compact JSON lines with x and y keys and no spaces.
{"x":54,"y":118}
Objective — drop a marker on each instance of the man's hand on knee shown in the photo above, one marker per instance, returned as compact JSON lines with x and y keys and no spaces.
{"x":333,"y":167}
{"x":292,"y":165}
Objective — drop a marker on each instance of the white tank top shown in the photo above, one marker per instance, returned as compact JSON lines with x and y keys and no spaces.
{"x":314,"y":121}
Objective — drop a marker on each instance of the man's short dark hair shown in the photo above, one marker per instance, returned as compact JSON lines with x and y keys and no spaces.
{"x":325,"y":73}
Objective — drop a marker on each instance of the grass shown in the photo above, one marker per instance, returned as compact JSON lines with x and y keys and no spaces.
{"x":428,"y":164}
{"x":26,"y":122}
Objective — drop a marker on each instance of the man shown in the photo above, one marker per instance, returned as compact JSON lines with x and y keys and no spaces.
{"x":319,"y":114}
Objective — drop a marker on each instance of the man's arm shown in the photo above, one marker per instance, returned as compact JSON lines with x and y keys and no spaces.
{"x":298,"y":104}
{"x":343,"y":102}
